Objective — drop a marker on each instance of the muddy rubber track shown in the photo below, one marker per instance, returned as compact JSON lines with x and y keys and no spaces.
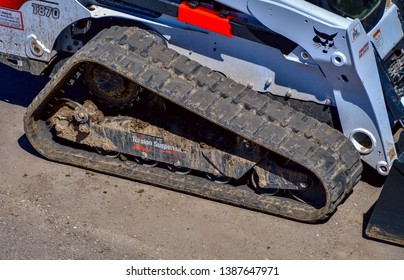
{"x":144,"y":58}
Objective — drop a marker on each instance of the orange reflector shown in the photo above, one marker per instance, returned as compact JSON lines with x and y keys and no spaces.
{"x":204,"y":18}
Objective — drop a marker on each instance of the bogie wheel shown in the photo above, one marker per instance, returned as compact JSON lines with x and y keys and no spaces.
{"x":178,"y":170}
{"x":313,"y":195}
{"x":146,"y":162}
{"x":219,"y":179}
{"x":259,"y":188}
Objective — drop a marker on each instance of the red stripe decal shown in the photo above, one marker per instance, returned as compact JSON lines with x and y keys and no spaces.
{"x":141,"y":148}
{"x":171,"y":152}
{"x":174,"y":153}
{"x":12,"y":4}
{"x":204,"y":18}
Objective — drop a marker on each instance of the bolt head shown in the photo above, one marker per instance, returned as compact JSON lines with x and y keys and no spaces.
{"x":193,"y":4}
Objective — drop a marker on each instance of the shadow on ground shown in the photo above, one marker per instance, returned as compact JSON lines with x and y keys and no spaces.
{"x":19,"y":88}
{"x":26,"y":146}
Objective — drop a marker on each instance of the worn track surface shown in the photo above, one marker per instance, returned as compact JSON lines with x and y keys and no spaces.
{"x":144,"y":58}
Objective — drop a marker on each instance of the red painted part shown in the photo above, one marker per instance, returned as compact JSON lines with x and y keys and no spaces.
{"x":12,"y":4}
{"x":204,"y":18}
{"x":141,"y":148}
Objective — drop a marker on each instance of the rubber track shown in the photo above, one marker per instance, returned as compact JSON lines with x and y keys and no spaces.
{"x":144,"y":58}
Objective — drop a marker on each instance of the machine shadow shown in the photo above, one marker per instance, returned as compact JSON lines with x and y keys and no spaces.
{"x":26,"y":146}
{"x":19,"y":88}
{"x":370,"y":176}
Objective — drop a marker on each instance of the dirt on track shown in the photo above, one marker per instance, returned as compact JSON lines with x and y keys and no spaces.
{"x":55,"y":211}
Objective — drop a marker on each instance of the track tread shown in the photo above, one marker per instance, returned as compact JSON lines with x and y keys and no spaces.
{"x":144,"y":58}
{"x":286,"y":131}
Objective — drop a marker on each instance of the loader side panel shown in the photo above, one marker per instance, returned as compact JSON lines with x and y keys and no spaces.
{"x":28,"y":35}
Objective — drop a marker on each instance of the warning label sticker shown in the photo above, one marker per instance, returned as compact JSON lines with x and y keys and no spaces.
{"x":363,"y":50}
{"x":378,"y":39}
{"x":11,"y":18}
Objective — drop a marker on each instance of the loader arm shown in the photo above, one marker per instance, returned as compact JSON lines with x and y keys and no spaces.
{"x":358,"y":92}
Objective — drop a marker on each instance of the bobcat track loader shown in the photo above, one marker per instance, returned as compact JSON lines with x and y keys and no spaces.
{"x":271,"y":105}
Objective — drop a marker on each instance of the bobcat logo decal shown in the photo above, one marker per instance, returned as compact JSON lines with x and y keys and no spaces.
{"x":324,"y":41}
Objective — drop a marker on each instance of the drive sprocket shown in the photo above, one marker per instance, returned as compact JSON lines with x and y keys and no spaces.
{"x":110,"y":88}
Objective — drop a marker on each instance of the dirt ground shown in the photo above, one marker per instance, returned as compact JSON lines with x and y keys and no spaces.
{"x":55,"y":211}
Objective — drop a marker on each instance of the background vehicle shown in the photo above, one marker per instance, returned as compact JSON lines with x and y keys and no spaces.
{"x":278,"y":103}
